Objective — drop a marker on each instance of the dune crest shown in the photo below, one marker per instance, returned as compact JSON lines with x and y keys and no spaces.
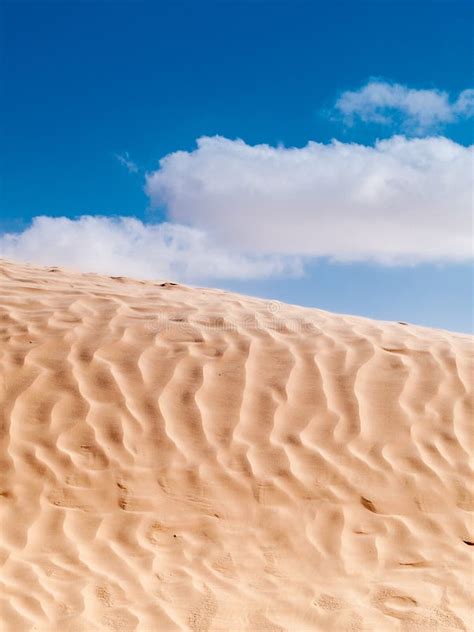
{"x":178,"y":458}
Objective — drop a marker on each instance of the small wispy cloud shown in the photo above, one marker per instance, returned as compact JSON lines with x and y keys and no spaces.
{"x":124,"y":159}
{"x":415,"y":110}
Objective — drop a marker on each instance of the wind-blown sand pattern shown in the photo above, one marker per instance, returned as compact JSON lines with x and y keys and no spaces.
{"x":176,"y":458}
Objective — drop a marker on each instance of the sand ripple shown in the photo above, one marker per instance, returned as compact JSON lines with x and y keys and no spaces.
{"x":184,"y":459}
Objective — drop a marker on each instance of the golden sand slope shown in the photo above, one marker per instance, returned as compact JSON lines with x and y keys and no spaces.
{"x":187,"y":459}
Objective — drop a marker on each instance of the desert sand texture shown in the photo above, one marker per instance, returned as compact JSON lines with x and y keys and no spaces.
{"x":177,"y":458}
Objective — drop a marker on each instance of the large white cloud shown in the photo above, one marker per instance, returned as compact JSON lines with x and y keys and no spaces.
{"x":416,"y":110}
{"x":400,"y":201}
{"x":127,"y":246}
{"x":237,"y":211}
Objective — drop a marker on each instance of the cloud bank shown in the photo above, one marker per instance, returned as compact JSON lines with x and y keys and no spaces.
{"x":416,"y":110}
{"x":400,"y":201}
{"x":237,"y":211}
{"x":127,"y":246}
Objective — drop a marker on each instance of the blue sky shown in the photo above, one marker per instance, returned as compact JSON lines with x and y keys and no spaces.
{"x":85,"y":82}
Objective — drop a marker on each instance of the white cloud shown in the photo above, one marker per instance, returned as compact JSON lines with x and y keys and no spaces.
{"x":416,"y":110}
{"x":464,"y":105}
{"x":400,"y":201}
{"x":126,"y":246}
{"x":124,"y":160}
{"x":237,"y":211}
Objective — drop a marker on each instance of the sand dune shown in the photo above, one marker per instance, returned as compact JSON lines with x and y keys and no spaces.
{"x":175,"y":458}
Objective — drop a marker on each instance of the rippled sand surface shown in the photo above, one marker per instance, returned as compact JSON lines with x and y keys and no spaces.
{"x":175,"y":458}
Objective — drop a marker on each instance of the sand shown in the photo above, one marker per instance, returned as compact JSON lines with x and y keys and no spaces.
{"x":178,"y":458}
